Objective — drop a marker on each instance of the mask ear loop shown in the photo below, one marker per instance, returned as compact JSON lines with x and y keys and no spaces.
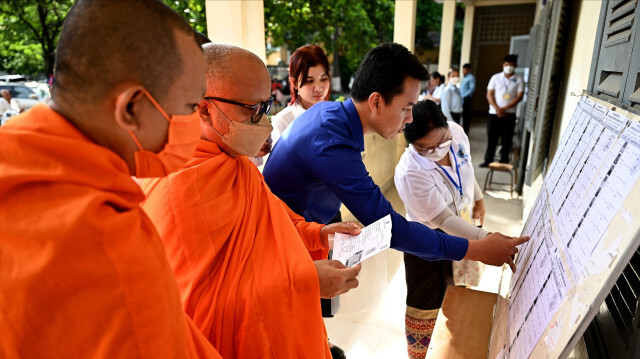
{"x":156,"y":104}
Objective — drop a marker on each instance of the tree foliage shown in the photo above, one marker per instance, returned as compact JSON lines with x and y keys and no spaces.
{"x":193,"y":11}
{"x":29,"y":32}
{"x":346,"y":28}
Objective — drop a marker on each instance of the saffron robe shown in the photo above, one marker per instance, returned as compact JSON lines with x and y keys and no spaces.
{"x":241,"y":258}
{"x":83,"y":272}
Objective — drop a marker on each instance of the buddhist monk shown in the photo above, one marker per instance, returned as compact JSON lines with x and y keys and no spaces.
{"x":240,"y":255}
{"x":83,"y":272}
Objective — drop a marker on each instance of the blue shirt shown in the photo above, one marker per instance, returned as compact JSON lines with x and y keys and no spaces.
{"x":316,"y":165}
{"x":468,"y":86}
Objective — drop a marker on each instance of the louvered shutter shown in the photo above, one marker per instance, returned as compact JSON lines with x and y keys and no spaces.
{"x":616,"y":75}
{"x":550,"y":84}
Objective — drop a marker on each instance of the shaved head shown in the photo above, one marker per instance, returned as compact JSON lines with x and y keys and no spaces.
{"x":227,"y":63}
{"x":107,"y":42}
{"x":6,"y":94}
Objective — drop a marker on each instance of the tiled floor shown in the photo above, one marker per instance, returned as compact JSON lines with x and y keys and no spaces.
{"x":370,"y":321}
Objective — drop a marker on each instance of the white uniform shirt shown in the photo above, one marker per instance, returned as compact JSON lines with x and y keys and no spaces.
{"x":451,"y":101}
{"x":421,"y":183}
{"x":506,"y":89}
{"x":437,"y":92}
{"x":283,"y":119}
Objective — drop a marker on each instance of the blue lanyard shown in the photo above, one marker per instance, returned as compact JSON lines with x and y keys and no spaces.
{"x":458,"y":186}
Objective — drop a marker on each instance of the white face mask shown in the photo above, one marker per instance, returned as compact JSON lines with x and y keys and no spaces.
{"x":508,"y":69}
{"x":454,"y":80}
{"x":437,"y":154}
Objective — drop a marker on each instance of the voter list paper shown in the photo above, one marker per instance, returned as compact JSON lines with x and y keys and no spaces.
{"x":373,"y":239}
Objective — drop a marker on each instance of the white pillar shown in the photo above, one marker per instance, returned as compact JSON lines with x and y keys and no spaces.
{"x":239,"y":23}
{"x":446,"y":36}
{"x":467,"y":34}
{"x":404,"y":23}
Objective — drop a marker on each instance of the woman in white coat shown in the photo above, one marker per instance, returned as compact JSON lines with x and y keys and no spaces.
{"x":436,"y":182}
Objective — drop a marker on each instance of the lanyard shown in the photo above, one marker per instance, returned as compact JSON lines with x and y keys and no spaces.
{"x":507,"y":83}
{"x":458,"y":186}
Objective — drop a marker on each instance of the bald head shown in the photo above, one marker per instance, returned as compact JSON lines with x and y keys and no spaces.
{"x":5,"y":94}
{"x":107,"y":42}
{"x":229,"y":65}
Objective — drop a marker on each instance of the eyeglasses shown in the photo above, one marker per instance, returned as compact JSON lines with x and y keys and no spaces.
{"x":257,"y":110}
{"x":425,"y":151}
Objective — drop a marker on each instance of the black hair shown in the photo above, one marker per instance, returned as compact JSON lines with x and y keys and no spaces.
{"x":511,"y":58}
{"x":452,"y":70}
{"x":384,"y":70}
{"x":202,"y":38}
{"x":467,"y":66}
{"x":427,"y":117}
{"x":437,"y":75}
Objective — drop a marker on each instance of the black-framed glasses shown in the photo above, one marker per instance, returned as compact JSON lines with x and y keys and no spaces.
{"x":257,"y":110}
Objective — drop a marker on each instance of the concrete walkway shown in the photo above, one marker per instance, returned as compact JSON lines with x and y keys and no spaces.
{"x":370,"y":322}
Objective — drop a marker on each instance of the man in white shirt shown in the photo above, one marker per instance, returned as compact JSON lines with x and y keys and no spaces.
{"x":6,"y":103}
{"x":451,"y":101}
{"x":504,"y":91}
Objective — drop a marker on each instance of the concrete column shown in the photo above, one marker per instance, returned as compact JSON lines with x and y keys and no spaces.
{"x":446,"y":35}
{"x":404,"y":23}
{"x":467,"y":34}
{"x":239,"y":23}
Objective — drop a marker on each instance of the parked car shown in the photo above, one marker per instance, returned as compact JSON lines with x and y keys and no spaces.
{"x":25,"y":96}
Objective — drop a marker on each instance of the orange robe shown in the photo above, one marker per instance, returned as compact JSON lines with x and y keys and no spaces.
{"x":241,"y":258}
{"x":83,"y":272}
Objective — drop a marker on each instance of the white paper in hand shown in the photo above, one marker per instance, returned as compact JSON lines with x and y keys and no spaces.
{"x":373,"y":239}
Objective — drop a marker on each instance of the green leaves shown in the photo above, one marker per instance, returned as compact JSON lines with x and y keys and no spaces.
{"x":348,"y":28}
{"x":29,"y":31}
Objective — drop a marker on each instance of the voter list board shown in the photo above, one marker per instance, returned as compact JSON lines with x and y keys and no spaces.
{"x":584,"y":229}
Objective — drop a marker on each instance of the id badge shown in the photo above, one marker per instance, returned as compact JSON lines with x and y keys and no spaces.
{"x":506,"y":96}
{"x":465,"y":214}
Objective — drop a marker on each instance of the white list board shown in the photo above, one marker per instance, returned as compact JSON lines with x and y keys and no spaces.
{"x":583,"y":232}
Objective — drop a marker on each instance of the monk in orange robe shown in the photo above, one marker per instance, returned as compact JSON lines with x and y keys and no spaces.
{"x":83,"y":272}
{"x":240,"y":255}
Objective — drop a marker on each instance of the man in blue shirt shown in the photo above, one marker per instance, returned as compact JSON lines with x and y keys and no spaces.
{"x":316,"y":164}
{"x":467,"y":88}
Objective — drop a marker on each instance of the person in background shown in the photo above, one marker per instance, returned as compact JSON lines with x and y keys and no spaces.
{"x":250,"y":271}
{"x":436,"y":82}
{"x":504,"y":92}
{"x":467,"y":88}
{"x":451,"y":101}
{"x":310,"y":83}
{"x":7,"y":103}
{"x":83,"y":273}
{"x":436,"y":182}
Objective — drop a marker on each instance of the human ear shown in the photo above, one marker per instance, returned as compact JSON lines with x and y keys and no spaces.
{"x":375,"y":100}
{"x":203,"y":111}
{"x":127,"y":107}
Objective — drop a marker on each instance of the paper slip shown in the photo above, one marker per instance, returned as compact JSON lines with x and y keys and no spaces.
{"x":373,"y":239}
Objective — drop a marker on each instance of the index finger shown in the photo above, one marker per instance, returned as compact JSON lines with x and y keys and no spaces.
{"x":354,"y":224}
{"x":519,"y":240}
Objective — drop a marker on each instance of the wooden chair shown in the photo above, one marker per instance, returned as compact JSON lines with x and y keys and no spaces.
{"x":503,"y":167}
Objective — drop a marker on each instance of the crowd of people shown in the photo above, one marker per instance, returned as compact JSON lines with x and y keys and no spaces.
{"x":135,"y":225}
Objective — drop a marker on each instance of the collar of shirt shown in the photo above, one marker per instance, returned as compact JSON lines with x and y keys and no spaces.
{"x":354,"y":124}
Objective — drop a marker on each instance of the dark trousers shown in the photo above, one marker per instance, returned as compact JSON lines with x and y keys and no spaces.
{"x":500,"y":128}
{"x":466,"y":114}
{"x":455,"y":117}
{"x":325,"y":304}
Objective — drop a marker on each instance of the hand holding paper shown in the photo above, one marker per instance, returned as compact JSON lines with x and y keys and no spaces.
{"x":372,"y":240}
